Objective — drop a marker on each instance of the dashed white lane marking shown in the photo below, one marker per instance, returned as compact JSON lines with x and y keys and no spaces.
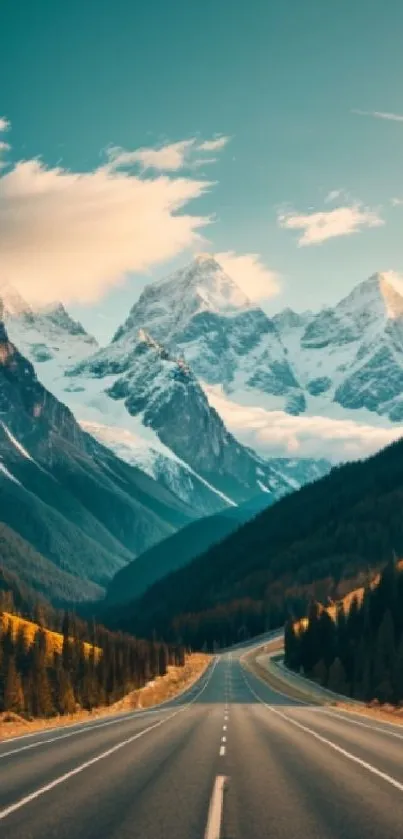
{"x":374,"y":771}
{"x":60,"y":780}
{"x":222,"y":751}
{"x":223,"y":739}
{"x":214,"y":820}
{"x":224,"y":728}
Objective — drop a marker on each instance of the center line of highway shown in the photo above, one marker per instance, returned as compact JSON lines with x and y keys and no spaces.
{"x":222,"y":751}
{"x":214,"y":820}
{"x":62,"y":778}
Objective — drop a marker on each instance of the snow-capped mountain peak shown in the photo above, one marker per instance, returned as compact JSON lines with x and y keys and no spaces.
{"x":374,"y":298}
{"x":200,"y":289}
{"x":11,"y":302}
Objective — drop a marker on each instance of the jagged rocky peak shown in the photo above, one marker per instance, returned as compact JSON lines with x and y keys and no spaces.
{"x":167,"y":306}
{"x":375,"y":297}
{"x":11,"y":302}
{"x":289,"y":319}
{"x":56,"y":314}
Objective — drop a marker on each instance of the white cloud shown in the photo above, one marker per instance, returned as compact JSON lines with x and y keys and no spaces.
{"x":396,"y":202}
{"x":317,"y":227}
{"x":248,"y":271}
{"x":333,"y":195}
{"x":4,"y":124}
{"x":379,"y":115}
{"x":214,"y":145}
{"x":170,"y":157}
{"x":75,"y":235}
{"x":277,"y":434}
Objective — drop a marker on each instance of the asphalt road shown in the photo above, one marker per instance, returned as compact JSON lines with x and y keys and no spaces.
{"x":230,"y":758}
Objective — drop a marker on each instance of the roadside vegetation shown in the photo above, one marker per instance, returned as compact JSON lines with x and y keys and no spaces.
{"x":77,"y":665}
{"x":355,"y":651}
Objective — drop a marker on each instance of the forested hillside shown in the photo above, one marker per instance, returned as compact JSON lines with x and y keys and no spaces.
{"x":80,"y":666}
{"x":359,"y":653}
{"x":316,"y":542}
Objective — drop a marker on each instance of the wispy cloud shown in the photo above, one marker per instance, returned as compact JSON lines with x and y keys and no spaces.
{"x":170,"y":157}
{"x":75,"y":235}
{"x":379,"y":115}
{"x":396,"y":202}
{"x":214,"y":145}
{"x":4,"y":147}
{"x":333,"y":195}
{"x":317,"y":227}
{"x":249,"y":272}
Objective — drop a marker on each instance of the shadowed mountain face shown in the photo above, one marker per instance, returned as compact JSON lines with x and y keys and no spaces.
{"x":178,"y":550}
{"x":351,"y":354}
{"x":346,"y":524}
{"x":69,"y":497}
{"x":162,"y":389}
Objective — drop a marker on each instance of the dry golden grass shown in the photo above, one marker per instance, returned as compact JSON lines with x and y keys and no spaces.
{"x":166,"y":687}
{"x":54,"y":640}
{"x":355,"y":594}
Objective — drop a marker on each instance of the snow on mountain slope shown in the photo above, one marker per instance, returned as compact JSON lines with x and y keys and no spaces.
{"x":54,"y":343}
{"x":48,"y":336}
{"x":201,"y":313}
{"x":353,"y":353}
{"x":146,"y":451}
{"x":75,"y":502}
{"x":160,"y":391}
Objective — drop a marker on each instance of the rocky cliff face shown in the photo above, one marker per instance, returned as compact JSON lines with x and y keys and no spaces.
{"x":353,"y":352}
{"x":162,"y":389}
{"x":202,"y":314}
{"x":68,"y":496}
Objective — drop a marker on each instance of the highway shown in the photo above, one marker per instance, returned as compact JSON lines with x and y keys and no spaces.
{"x":228,"y":759}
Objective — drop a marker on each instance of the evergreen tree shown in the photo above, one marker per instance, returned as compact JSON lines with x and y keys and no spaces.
{"x":13,"y":694}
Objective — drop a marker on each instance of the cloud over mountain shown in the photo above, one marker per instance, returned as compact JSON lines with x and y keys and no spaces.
{"x":73,"y":235}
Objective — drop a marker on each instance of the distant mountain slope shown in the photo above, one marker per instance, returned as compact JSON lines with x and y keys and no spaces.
{"x":140,"y":399}
{"x":162,"y":389}
{"x":347,"y":522}
{"x":178,"y":550}
{"x":351,"y":354}
{"x":333,"y":363}
{"x":228,"y":340}
{"x":60,"y":490}
{"x":31,"y":569}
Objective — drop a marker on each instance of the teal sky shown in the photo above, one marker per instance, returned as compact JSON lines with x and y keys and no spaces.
{"x":283,"y":79}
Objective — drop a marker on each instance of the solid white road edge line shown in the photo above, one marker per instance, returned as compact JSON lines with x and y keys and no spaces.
{"x":345,"y":718}
{"x":80,"y":727}
{"x":374,"y":771}
{"x":340,"y":713}
{"x":214,"y":819}
{"x":88,"y":728}
{"x":62,"y":778}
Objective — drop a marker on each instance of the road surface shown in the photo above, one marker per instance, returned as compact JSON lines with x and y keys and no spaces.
{"x":230,"y":758}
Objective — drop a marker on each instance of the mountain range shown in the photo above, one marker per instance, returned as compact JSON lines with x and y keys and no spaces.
{"x":113,"y":449}
{"x":77,"y":505}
